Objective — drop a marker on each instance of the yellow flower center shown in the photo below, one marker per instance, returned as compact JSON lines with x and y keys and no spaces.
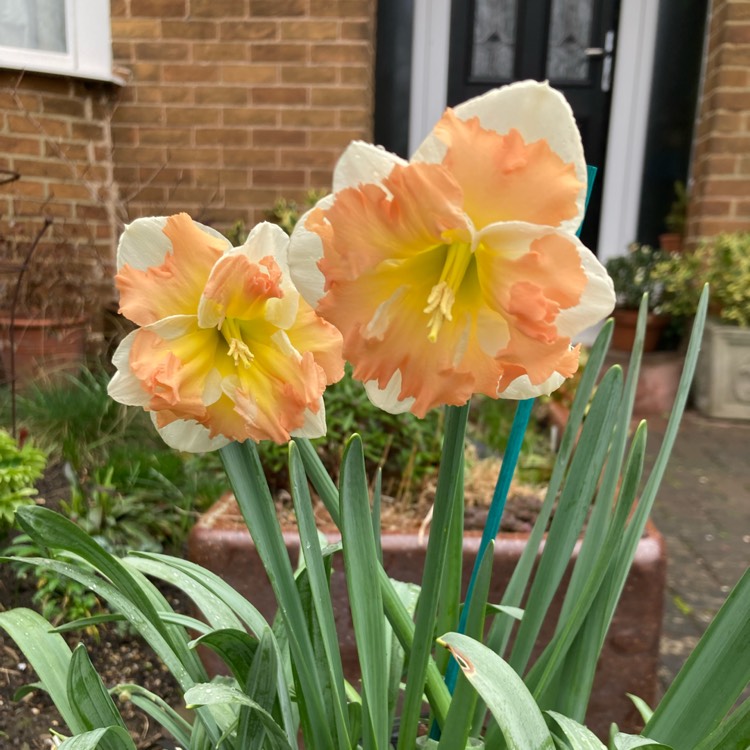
{"x":443,"y":294}
{"x":239,"y":351}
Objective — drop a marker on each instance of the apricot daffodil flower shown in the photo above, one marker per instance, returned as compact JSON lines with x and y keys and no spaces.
{"x":459,"y":272}
{"x":226,"y":349}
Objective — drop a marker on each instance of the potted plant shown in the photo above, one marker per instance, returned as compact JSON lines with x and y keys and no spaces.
{"x":671,"y":240}
{"x":43,"y":293}
{"x":722,"y":386}
{"x":633,"y":276}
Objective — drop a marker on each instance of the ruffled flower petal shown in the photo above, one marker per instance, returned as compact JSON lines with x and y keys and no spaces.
{"x":236,"y":354}
{"x":174,"y":286}
{"x":458,"y":272}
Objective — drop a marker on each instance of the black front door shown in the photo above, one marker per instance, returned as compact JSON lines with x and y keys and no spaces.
{"x":570,"y":43}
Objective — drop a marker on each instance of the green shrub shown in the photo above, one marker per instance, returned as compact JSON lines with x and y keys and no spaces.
{"x":20,"y":468}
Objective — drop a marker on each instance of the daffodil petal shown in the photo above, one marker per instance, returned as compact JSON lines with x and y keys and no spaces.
{"x":387,"y":398}
{"x":175,"y":285}
{"x":522,"y":387}
{"x":361,"y":163}
{"x":314,"y":425}
{"x":124,"y":387}
{"x":189,"y":436}
{"x":306,"y":250}
{"x":537,"y":112}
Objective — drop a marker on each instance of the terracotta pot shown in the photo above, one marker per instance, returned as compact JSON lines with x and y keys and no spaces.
{"x":220,"y":542}
{"x":670,"y":242}
{"x":43,"y":346}
{"x":623,"y":335}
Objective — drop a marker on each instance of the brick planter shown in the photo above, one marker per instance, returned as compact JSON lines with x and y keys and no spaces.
{"x":630,"y":658}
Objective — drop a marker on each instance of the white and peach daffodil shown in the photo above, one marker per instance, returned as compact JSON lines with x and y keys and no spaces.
{"x":459,"y":272}
{"x":226,"y":349}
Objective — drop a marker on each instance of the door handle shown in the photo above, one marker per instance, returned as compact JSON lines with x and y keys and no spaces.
{"x":594,"y":52}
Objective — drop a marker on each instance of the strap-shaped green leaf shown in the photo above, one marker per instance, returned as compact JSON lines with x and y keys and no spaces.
{"x":48,"y":654}
{"x":636,"y":742}
{"x":246,"y":476}
{"x":216,"y":694}
{"x":733,"y":732}
{"x":331,"y":672}
{"x":158,"y":709}
{"x":577,"y":736}
{"x":516,"y":713}
{"x":88,"y":697}
{"x":105,"y":738}
{"x":713,"y":677}
{"x":361,"y":565}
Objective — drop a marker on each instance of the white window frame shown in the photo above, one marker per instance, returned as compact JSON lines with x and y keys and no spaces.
{"x":89,"y":46}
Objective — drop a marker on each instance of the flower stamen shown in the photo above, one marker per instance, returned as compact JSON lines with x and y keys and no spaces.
{"x":443,"y":295}
{"x":238,"y":350}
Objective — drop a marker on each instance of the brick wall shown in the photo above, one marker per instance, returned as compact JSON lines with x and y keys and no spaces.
{"x":720,"y":199}
{"x":54,"y":132}
{"x":230,"y":104}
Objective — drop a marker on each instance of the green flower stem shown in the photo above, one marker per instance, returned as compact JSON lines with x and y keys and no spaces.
{"x":401,"y":622}
{"x":256,"y":504}
{"x":445,"y":502}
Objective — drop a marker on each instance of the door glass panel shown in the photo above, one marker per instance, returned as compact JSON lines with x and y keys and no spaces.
{"x":569,"y":36}
{"x":494,"y":48}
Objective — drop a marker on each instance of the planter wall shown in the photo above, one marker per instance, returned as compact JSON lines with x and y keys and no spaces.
{"x":630,"y":659}
{"x":43,"y":346}
{"x":722,"y":379}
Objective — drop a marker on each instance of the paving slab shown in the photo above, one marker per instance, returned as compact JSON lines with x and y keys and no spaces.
{"x":703,"y":511}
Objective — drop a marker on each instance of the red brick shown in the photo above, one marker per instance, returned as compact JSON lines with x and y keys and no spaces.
{"x":193,"y":115}
{"x":338,"y":139}
{"x":282,"y":96}
{"x":193,"y":156}
{"x":171,"y":51}
{"x":190,"y":73}
{"x":279,"y":137}
{"x":249,"y":73}
{"x":307,"y":158}
{"x":357,"y":30}
{"x":249,"y":31}
{"x":224,"y":136}
{"x":28,"y":146}
{"x":190,"y":29}
{"x":166,"y":136}
{"x":139,"y":113}
{"x":231,"y":52}
{"x":230,"y":95}
{"x":341,"y":53}
{"x":341,"y":8}
{"x":158,"y":8}
{"x":338,"y":96}
{"x":309,"y":30}
{"x":249,"y":157}
{"x":308,"y":117}
{"x":281,"y":53}
{"x":277,"y":8}
{"x":276,"y":177}
{"x":250,"y":116}
{"x":738,"y":33}
{"x":68,"y":107}
{"x":217,"y":8}
{"x":50,"y":127}
{"x":135,"y":28}
{"x":177,"y":94}
{"x":315,"y":74}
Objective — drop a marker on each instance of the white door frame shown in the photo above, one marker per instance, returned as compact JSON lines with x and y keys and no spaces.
{"x":631,"y":93}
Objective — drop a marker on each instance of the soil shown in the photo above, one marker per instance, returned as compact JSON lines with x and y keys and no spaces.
{"x":120,"y":656}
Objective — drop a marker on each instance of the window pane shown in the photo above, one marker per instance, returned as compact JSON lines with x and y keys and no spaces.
{"x":494,"y":47}
{"x":33,"y":24}
{"x":569,"y":36}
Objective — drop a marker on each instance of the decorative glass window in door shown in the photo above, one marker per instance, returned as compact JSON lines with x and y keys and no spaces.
{"x":494,"y":48}
{"x":569,"y":36}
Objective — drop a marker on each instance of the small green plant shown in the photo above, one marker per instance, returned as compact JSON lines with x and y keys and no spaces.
{"x":20,"y":467}
{"x":633,"y":276}
{"x":286,"y":212}
{"x":58,"y":597}
{"x":724,"y":264}
{"x":676,"y":219}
